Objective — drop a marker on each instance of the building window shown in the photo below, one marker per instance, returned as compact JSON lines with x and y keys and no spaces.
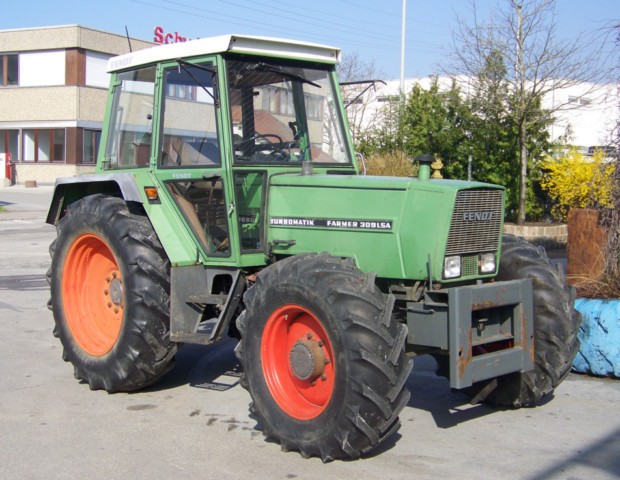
{"x":43,"y":145}
{"x":388,"y":98}
{"x":580,"y":100}
{"x":314,"y":106}
{"x":9,"y":70}
{"x":91,"y":146}
{"x":44,"y":68}
{"x":355,"y":101}
{"x":187,"y":92}
{"x":280,"y":101}
{"x":96,"y":69}
{"x":8,"y":143}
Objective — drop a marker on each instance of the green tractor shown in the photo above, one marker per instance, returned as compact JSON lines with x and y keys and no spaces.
{"x":227,"y":200}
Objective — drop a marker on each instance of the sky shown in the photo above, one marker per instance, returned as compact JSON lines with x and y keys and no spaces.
{"x":370,"y":28}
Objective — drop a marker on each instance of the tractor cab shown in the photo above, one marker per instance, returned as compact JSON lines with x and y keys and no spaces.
{"x":207,"y":122}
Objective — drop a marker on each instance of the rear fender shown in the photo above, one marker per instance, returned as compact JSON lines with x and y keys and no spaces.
{"x":68,"y":190}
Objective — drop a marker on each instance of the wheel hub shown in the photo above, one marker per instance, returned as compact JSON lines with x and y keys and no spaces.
{"x":298,"y":362}
{"x":116,"y":291}
{"x":307,"y":360}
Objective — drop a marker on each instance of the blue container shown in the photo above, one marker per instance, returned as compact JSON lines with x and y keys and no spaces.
{"x":600,"y":337}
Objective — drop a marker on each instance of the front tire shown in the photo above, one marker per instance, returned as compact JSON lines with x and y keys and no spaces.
{"x":109,"y":283}
{"x":556,"y":324}
{"x":323,"y":359}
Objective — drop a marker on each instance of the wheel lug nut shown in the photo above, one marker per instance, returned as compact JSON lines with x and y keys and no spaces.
{"x":323,"y":377}
{"x":309,"y":336}
{"x":326,"y":361}
{"x":106,"y":291}
{"x":109,"y":304}
{"x":321,"y":343}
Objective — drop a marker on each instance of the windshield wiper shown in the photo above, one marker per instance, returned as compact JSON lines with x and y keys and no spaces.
{"x":373,"y":84}
{"x":183,"y":64}
{"x":263,"y":67}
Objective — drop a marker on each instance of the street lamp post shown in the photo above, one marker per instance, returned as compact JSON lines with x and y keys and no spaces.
{"x":402,"y":53}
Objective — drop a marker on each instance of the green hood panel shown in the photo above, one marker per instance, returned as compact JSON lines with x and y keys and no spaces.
{"x":389,"y":225}
{"x":369,"y":182}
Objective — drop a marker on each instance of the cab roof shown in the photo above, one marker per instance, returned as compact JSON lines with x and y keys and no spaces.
{"x":275,"y":47}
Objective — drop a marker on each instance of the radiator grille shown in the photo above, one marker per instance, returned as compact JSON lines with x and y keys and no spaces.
{"x":476,"y":222}
{"x":469,"y":265}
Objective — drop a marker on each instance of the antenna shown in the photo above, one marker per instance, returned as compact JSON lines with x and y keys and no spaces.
{"x":128,"y":39}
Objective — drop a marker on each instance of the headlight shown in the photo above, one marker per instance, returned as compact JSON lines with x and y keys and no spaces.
{"x":486,"y":262}
{"x":452,"y":267}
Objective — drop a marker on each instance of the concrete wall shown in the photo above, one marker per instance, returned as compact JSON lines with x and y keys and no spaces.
{"x":91,"y":105}
{"x":548,"y":236}
{"x":46,"y":173}
{"x":37,"y":104}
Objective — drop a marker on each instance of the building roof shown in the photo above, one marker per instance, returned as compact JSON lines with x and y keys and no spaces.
{"x":59,"y":37}
{"x":227,"y":43}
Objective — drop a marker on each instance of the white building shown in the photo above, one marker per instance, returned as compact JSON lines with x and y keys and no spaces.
{"x":590,"y":115}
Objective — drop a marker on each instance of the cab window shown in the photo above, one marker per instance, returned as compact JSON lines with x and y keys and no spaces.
{"x":189,"y":117}
{"x":203,"y":205}
{"x":284,"y":113}
{"x":131,"y":128}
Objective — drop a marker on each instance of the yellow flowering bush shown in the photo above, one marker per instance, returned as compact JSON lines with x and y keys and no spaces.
{"x":575,"y":181}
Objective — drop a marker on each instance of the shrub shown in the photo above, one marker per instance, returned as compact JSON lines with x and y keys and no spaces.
{"x":573,"y":181}
{"x":391,"y":164}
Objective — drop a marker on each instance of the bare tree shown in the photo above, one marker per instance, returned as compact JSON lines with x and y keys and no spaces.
{"x":536,"y":62}
{"x":353,"y":68}
{"x":612,"y":252}
{"x":358,"y":75}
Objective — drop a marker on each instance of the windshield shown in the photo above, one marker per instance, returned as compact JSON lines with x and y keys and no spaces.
{"x":284,"y":113}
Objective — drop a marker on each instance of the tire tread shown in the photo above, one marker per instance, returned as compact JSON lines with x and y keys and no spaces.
{"x":376,"y":350}
{"x":145,"y":352}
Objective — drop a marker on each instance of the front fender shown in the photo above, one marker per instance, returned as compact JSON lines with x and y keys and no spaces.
{"x":70,"y":189}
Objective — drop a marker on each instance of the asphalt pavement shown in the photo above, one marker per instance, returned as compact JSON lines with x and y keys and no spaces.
{"x":195,"y":423}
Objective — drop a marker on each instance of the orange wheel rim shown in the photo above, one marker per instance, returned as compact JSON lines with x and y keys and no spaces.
{"x":298,"y":362}
{"x":92,"y":293}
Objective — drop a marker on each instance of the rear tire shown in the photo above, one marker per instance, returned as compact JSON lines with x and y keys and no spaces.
{"x":556,"y":324}
{"x":109,"y":282}
{"x":323,"y":359}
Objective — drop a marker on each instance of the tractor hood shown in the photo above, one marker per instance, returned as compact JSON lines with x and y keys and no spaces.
{"x":399,"y":228}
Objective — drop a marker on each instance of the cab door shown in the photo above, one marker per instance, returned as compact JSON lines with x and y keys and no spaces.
{"x":190,"y":160}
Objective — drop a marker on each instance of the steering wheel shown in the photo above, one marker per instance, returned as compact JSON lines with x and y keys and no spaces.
{"x":278,"y":148}
{"x":264,"y":136}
